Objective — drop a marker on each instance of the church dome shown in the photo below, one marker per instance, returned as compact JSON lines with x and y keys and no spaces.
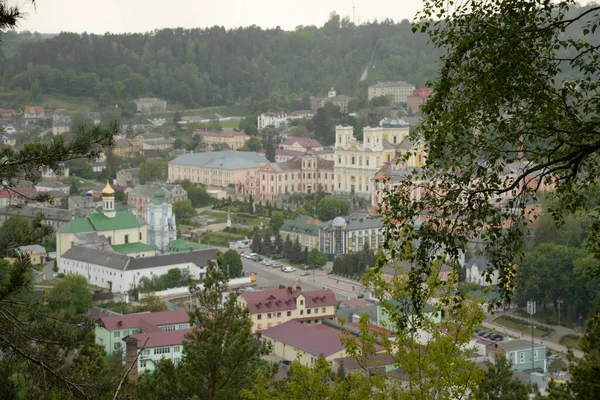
{"x":108,"y":190}
{"x":339,"y":221}
{"x":160,"y":196}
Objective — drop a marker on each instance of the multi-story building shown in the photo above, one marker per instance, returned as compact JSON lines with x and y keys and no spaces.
{"x":33,"y":113}
{"x":417,"y":98}
{"x":304,"y":228}
{"x":51,"y":186}
{"x":49,"y":173}
{"x":302,"y":174}
{"x":120,"y":273}
{"x":337,"y":100}
{"x":301,"y":144}
{"x":111,"y":331}
{"x":7,"y":112}
{"x":398,"y":90}
{"x":356,"y":162}
{"x":124,"y":147}
{"x":220,"y":169}
{"x":341,"y":236}
{"x":141,"y":195}
{"x":128,"y":177}
{"x":54,"y":217}
{"x":150,"y":104}
{"x":270,"y":308}
{"x":233,"y":139}
{"x":119,"y":227}
{"x":162,"y":228}
{"x":160,"y":345}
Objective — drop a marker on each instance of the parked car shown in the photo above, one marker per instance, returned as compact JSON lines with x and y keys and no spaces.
{"x":330,"y":271}
{"x":276,"y":265}
{"x":361,"y":296}
{"x":288,"y":269}
{"x":305,"y":273}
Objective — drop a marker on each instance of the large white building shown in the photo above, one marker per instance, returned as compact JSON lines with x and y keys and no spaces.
{"x":151,"y":104}
{"x":399,"y":90}
{"x":357,"y":162}
{"x":119,"y":273}
{"x":276,"y":119}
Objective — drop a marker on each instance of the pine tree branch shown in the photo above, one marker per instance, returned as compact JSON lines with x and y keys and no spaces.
{"x":129,"y":369}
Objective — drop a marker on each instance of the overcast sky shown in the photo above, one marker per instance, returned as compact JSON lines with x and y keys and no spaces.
{"x":100,"y":16}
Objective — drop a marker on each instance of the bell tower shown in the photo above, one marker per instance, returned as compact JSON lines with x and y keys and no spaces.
{"x":108,"y":201}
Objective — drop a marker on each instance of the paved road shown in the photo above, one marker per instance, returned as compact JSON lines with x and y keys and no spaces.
{"x":272,"y":277}
{"x":517,"y":334}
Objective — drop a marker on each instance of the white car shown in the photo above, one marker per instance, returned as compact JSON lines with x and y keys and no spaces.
{"x":288,"y":269}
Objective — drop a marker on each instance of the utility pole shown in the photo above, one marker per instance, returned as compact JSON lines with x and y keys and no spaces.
{"x":531,"y":311}
{"x":559,"y":303}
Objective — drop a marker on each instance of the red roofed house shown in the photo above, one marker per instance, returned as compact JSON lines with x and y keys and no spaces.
{"x":417,"y":98}
{"x":301,"y":144}
{"x":7,"y":112}
{"x":16,"y":197}
{"x":233,"y":139}
{"x":156,"y":346}
{"x":33,"y":113}
{"x":293,"y":338}
{"x":269,"y":308}
{"x":111,"y":330}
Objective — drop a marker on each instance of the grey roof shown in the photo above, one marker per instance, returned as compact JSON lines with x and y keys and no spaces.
{"x":222,"y":160}
{"x":120,"y":262}
{"x":52,"y":184}
{"x":393,"y":84}
{"x":300,"y":226}
{"x":517,"y":344}
{"x":35,"y":248}
{"x":347,"y":313}
{"x":387,"y":145}
{"x":47,"y":213}
{"x":130,"y":170}
{"x":97,"y":312}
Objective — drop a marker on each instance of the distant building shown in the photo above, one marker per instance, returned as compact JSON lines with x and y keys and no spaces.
{"x":233,"y":139}
{"x":519,"y":352}
{"x":398,"y":90}
{"x":141,"y":195}
{"x":304,"y":228}
{"x":417,"y":98}
{"x":110,"y":331}
{"x":162,"y":228}
{"x":16,"y":197}
{"x":475,"y":271}
{"x":150,"y":104}
{"x":220,"y":169}
{"x":7,"y":112}
{"x":49,"y":186}
{"x":34,"y":113}
{"x":54,"y":217}
{"x":341,"y":236}
{"x":337,"y":99}
{"x":128,"y":177}
{"x":37,"y":254}
{"x":275,"y":119}
{"x":269,"y":308}
{"x":49,"y":174}
{"x":301,"y":144}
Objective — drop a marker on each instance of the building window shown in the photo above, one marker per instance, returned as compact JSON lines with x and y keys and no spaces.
{"x":323,"y":310}
{"x":289,"y":313}
{"x":176,"y":360}
{"x":142,"y":363}
{"x":162,"y":350}
{"x":308,"y":311}
{"x":125,"y":333}
{"x":278,"y":314}
{"x":535,"y":355}
{"x":352,"y":160}
{"x":301,"y":312}
{"x":268,"y":315}
{"x":109,"y":240}
{"x":339,"y":160}
{"x":259,"y":316}
{"x":146,"y":352}
{"x":117,"y":334}
{"x":176,"y":349}
{"x":316,"y":310}
{"x":140,"y":236}
{"x":301,"y":302}
{"x":522,"y":357}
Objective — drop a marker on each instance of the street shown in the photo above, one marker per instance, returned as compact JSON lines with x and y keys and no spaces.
{"x":268,"y":277}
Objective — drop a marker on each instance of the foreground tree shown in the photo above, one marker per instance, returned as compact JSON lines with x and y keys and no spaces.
{"x":499,"y":383}
{"x":71,"y":295}
{"x":232,"y":263}
{"x":504,"y":122}
{"x":221,"y":356}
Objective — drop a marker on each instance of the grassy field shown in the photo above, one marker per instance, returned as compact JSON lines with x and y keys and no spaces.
{"x":571,"y":341}
{"x":229,"y":125}
{"x":219,"y":238}
{"x":522,"y":327}
{"x":219,"y":217}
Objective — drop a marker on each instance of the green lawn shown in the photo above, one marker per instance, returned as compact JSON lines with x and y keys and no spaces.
{"x":219,"y":217}
{"x":229,"y":125}
{"x":219,"y":238}
{"x":522,"y":327}
{"x":571,"y":341}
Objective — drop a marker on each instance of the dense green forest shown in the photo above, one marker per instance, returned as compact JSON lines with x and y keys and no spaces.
{"x":213,"y":66}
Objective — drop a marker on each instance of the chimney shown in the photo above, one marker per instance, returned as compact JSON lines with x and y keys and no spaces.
{"x":130,"y":357}
{"x":373,"y":120}
{"x":345,"y":119}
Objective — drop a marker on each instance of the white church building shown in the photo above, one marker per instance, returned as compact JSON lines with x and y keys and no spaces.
{"x":162,"y":227}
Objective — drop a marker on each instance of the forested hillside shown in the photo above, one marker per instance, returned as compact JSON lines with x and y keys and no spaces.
{"x":202,"y":67}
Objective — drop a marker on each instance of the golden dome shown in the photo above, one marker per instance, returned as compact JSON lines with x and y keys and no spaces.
{"x":108,"y":190}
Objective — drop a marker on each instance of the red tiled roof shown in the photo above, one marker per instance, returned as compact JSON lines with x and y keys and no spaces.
{"x":291,"y":153}
{"x":6,"y":194}
{"x":38,"y":109}
{"x":284,"y":299}
{"x":302,"y":141}
{"x":317,"y":340}
{"x":220,"y":134}
{"x":423,"y":92}
{"x":155,"y":318}
{"x":161,"y":338}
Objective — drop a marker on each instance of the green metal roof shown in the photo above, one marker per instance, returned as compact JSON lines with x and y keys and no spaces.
{"x":180,"y":245}
{"x":131,"y":248}
{"x":300,"y":225}
{"x":98,"y":222}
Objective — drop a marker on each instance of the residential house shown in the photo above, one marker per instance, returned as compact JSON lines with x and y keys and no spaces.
{"x":111,"y":330}
{"x":16,"y":197}
{"x":119,"y":227}
{"x":417,"y":98}
{"x":233,"y":139}
{"x":150,"y":104}
{"x":49,"y":186}
{"x":37,"y":254}
{"x":95,"y":117}
{"x":7,"y":112}
{"x":9,"y":139}
{"x":98,"y":166}
{"x":523,"y":355}
{"x":220,"y":169}
{"x":304,"y":228}
{"x":124,"y":147}
{"x":306,"y":173}
{"x":153,"y":347}
{"x":399,"y":91}
{"x":292,"y":340}
{"x":270,"y":308}
{"x":475,"y":271}
{"x":337,"y":100}
{"x":33,"y":113}
{"x":301,"y":144}
{"x":48,"y":173}
{"x":54,"y":217}
{"x":10,"y":130}
{"x":120,"y":273}
{"x":141,"y":195}
{"x":128,"y":177}
{"x":213,"y":147}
